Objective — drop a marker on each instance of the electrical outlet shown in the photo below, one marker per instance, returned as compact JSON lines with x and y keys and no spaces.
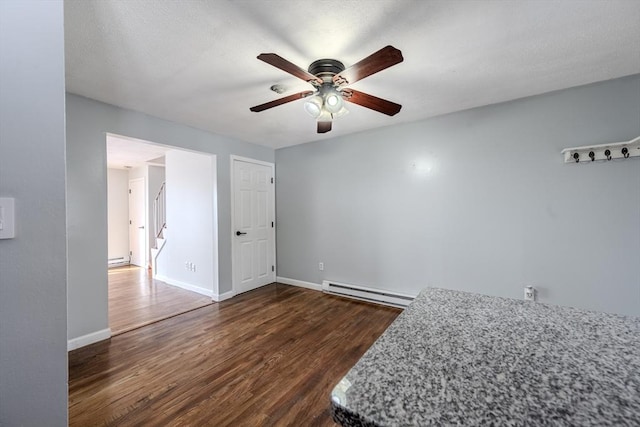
{"x":529,"y":293}
{"x":321,"y":266}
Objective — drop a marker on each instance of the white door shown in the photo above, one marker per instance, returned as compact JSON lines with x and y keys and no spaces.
{"x":253,"y":225}
{"x":137,"y":223}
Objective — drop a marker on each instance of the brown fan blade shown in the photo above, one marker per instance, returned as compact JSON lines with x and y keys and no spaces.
{"x":281,"y":101}
{"x":382,"y":59}
{"x":373,"y":102}
{"x":324,"y":126}
{"x":279,"y":62}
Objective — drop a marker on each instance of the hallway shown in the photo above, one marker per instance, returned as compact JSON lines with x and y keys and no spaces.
{"x":136,"y":299}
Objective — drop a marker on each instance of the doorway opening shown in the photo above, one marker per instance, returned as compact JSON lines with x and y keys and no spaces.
{"x":152,"y":273}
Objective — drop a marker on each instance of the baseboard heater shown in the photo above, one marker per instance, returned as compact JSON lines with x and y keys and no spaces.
{"x":367,"y":294}
{"x":115,"y":262}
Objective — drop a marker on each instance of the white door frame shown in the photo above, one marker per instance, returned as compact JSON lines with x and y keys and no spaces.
{"x":234,"y":243}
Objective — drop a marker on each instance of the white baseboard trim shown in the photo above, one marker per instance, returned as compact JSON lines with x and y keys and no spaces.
{"x":183,"y":285}
{"x":299,"y":283}
{"x":91,"y":338}
{"x":223,"y":296}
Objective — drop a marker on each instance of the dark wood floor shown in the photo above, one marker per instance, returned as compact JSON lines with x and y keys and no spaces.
{"x":136,"y":299}
{"x":267,"y":357}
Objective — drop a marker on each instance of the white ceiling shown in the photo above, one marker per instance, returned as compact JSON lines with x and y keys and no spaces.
{"x":127,"y":153}
{"x":194,"y":62}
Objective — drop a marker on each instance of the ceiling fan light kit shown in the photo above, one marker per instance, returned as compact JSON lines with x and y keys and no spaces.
{"x":313,"y":106}
{"x":329,"y":78}
{"x":328,"y":99}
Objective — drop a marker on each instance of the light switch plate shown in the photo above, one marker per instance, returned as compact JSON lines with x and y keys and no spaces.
{"x":7,"y":218}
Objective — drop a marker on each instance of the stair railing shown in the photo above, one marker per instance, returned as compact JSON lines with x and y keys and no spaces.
{"x":160,"y":211}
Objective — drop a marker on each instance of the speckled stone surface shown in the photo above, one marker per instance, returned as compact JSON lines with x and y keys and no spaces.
{"x":460,"y":358}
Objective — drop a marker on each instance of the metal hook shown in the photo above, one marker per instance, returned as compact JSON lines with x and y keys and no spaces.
{"x":625,"y":152}
{"x":592,"y":155}
{"x":576,"y":156}
{"x":607,"y":153}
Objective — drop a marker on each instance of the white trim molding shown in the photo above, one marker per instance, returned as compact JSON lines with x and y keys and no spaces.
{"x":254,"y":161}
{"x":299,"y":283}
{"x":91,"y":338}
{"x":223,"y":296}
{"x":186,"y":286}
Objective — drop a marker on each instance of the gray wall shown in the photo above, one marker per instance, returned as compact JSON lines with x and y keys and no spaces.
{"x":477,"y":201}
{"x":33,"y":266}
{"x":88,"y":122}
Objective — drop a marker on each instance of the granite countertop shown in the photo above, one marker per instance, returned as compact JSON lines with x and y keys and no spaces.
{"x":461,"y":358}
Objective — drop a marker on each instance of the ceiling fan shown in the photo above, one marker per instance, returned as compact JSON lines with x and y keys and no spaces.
{"x":329,"y":79}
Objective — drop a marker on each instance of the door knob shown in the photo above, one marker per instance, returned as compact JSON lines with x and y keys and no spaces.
{"x":239,"y":233}
{"x":141,"y":227}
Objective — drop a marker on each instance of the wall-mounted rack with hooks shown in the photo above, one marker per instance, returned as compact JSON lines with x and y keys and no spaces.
{"x":591,"y":153}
